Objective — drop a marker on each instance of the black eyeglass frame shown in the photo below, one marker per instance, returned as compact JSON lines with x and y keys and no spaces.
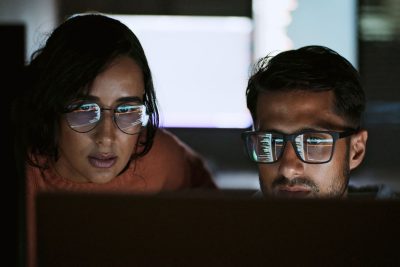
{"x":291,"y":138}
{"x":114,"y":110}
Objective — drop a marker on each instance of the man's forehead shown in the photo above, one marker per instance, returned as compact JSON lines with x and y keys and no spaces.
{"x":297,"y":110}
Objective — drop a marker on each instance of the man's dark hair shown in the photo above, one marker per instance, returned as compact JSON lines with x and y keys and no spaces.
{"x":63,"y":70}
{"x":314,"y":69}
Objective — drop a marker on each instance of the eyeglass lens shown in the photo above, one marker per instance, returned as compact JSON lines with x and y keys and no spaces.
{"x":129,"y":117}
{"x":311,"y":147}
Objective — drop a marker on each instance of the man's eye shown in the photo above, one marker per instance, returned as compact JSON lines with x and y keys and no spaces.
{"x":326,"y":140}
{"x":278,"y":141}
{"x":314,"y":140}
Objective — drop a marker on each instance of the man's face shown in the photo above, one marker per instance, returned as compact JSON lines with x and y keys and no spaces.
{"x":293,"y":111}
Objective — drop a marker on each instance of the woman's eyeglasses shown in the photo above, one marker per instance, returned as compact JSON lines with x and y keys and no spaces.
{"x":129,"y":117}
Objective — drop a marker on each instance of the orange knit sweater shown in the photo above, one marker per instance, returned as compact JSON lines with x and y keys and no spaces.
{"x":169,"y":165}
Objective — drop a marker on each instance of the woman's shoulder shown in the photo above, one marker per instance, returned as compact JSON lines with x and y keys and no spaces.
{"x":171,"y":152}
{"x":174,"y":163}
{"x":164,"y":134}
{"x":167,"y":142}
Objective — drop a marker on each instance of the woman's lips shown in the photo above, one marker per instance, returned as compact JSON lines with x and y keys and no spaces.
{"x":102,"y":162}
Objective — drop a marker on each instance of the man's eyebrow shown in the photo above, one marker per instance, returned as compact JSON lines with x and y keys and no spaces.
{"x":330,"y":126}
{"x":269,"y":130}
{"x":319,"y":127}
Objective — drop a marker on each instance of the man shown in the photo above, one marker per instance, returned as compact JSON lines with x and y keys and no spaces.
{"x":306,"y":106}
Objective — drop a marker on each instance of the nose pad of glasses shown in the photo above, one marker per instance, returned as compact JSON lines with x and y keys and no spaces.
{"x":107,"y":121}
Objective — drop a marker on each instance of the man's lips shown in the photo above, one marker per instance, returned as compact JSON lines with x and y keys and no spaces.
{"x":102,"y":161}
{"x":293,"y":191}
{"x":294,"y":187}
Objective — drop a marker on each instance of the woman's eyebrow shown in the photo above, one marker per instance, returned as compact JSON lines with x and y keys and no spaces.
{"x":88,"y":97}
{"x":129,"y":99}
{"x":119,"y":100}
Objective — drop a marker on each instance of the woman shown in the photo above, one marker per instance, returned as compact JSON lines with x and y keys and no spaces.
{"x":91,"y":120}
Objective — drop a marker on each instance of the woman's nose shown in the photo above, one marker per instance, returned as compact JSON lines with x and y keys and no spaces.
{"x":106,"y":128}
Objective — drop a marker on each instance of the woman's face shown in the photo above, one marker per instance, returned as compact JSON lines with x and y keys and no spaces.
{"x":101,"y":154}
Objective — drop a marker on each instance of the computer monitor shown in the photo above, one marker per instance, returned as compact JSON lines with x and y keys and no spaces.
{"x":223,"y":229}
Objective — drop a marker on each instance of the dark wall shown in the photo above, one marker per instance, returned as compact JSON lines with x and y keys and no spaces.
{"x":380,"y":69}
{"x":12,"y":46}
{"x":223,"y":148}
{"x":159,"y":7}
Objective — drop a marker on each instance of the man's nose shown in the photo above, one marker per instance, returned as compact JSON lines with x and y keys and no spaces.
{"x":290,"y":165}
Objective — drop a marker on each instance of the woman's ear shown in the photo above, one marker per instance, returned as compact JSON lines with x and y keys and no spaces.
{"x":357,"y":151}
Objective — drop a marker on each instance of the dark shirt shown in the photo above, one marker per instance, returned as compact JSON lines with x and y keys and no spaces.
{"x":378,"y":191}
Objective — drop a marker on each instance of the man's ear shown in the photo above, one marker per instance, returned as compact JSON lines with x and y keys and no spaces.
{"x":357,"y":151}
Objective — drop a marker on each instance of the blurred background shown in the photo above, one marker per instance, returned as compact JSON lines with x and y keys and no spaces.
{"x":201,"y":53}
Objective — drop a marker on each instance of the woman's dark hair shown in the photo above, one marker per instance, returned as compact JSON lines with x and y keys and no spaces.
{"x":63,"y":70}
{"x":310,"y":68}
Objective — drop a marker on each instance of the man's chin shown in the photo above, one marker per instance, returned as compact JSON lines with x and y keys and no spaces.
{"x":294,"y":194}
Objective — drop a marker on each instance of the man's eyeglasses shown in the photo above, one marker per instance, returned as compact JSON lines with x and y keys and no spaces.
{"x":310,"y":146}
{"x":129,"y":117}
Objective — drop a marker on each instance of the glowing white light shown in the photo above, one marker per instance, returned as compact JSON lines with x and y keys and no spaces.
{"x":200,"y":67}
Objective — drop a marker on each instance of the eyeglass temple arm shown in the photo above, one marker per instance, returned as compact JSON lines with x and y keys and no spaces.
{"x":348,"y":132}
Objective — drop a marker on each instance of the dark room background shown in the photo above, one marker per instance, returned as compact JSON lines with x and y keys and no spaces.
{"x":377,"y":56}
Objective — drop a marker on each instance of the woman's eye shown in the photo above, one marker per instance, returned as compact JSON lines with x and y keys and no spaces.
{"x":82,"y":106}
{"x":124,"y":109}
{"x":87,"y":107}
{"x":127,"y":108}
